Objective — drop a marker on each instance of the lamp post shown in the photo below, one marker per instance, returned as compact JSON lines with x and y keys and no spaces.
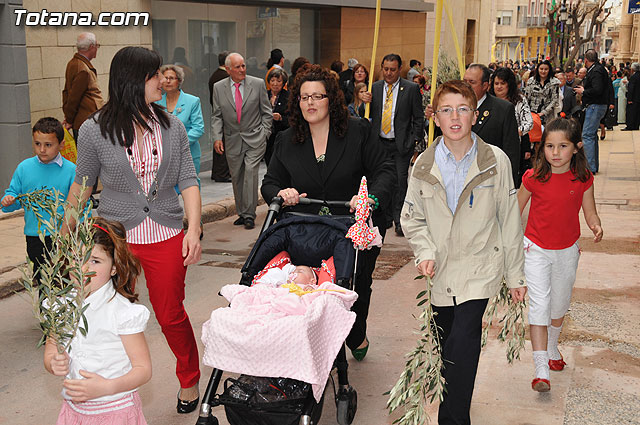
{"x":563,"y":19}
{"x":569,"y":27}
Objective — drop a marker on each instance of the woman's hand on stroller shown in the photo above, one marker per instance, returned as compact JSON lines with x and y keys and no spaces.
{"x":352,"y":203}
{"x":291,"y":196}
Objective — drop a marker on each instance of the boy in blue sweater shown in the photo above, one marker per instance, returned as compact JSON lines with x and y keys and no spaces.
{"x":47,"y":169}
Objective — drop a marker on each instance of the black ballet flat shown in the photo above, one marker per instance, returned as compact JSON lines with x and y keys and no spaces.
{"x":187,"y":406}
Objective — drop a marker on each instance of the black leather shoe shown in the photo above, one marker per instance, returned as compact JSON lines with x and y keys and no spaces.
{"x":239,"y":221}
{"x":627,"y":129}
{"x":187,"y":406}
{"x":399,"y":231}
{"x":249,"y":223}
{"x":222,"y":180}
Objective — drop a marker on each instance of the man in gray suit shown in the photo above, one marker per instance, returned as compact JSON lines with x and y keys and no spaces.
{"x":242,"y":113}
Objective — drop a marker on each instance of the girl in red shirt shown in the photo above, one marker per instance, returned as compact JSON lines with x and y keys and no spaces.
{"x":559,"y":185}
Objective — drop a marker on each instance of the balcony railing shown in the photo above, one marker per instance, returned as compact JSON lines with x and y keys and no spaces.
{"x":537,"y":21}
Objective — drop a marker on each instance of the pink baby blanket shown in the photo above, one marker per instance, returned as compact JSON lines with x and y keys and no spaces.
{"x":269,"y":331}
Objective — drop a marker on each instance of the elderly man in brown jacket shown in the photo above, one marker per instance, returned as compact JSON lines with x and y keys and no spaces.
{"x":81,"y":96}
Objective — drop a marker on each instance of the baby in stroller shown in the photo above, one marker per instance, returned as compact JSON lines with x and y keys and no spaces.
{"x":284,"y":314}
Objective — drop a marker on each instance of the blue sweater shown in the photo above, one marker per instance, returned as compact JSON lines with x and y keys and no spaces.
{"x":32,"y":175}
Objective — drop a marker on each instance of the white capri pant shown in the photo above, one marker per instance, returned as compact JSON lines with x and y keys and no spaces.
{"x":551,"y":274}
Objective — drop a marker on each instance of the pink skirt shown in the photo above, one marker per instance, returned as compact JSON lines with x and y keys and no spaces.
{"x":124,"y":411}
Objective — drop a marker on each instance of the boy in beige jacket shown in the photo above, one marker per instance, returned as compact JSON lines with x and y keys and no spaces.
{"x":462,"y":221}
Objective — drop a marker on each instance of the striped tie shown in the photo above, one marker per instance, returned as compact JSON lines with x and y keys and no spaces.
{"x":386,"y":113}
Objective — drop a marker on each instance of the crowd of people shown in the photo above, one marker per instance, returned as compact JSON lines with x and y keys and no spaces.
{"x":501,"y":127}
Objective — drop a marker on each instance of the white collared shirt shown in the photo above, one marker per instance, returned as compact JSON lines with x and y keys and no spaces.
{"x":395,"y":90}
{"x":453,"y":172}
{"x":481,"y":100}
{"x":101,"y":351}
{"x":56,"y":160}
{"x":233,"y":89}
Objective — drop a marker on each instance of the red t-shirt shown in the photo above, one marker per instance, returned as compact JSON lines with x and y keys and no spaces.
{"x":555,"y":205}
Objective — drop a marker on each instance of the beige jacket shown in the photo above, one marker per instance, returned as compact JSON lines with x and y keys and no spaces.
{"x":479,"y":245}
{"x":81,"y":96}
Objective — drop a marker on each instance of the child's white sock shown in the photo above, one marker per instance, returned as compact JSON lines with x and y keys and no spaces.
{"x":553,"y":334}
{"x":541,"y":362}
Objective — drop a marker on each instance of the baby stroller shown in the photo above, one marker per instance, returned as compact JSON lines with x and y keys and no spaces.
{"x":308,"y":240}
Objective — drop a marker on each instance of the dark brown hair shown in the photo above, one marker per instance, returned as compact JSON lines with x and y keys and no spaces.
{"x":49,"y":125}
{"x":338,"y":114}
{"x":573,"y":133}
{"x":456,"y":87}
{"x":130,"y":69}
{"x":112,"y":237}
{"x":297,"y":64}
{"x":366,"y":72}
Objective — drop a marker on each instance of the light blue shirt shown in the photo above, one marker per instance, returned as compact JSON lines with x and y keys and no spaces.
{"x":454,"y":172}
{"x":395,"y":89}
{"x":56,"y":160}
{"x":233,"y":89}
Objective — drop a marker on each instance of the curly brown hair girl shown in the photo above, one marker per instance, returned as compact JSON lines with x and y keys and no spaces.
{"x":111,"y":236}
{"x":339,"y":116}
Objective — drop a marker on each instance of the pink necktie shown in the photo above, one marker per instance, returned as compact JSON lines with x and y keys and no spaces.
{"x":238,"y":101}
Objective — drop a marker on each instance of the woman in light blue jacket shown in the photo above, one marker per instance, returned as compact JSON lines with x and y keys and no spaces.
{"x":185,"y":106}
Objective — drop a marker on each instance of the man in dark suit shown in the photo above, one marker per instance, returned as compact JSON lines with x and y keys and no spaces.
{"x":219,"y":167}
{"x":496,"y":123}
{"x":633,"y":99}
{"x":397,"y":118}
{"x":570,"y":75}
{"x":569,"y":101}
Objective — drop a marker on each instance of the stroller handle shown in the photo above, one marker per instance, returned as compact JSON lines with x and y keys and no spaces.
{"x":309,"y":201}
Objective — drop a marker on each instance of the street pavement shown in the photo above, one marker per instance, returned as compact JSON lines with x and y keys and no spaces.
{"x":600,"y":341}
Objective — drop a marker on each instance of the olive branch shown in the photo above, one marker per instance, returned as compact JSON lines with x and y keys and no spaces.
{"x":421,"y":382}
{"x":513,"y":327}
{"x":57,"y":295}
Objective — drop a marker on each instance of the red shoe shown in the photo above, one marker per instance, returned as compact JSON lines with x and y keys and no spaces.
{"x":541,"y":385}
{"x":557,"y":365}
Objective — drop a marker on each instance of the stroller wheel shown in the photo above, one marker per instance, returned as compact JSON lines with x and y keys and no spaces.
{"x":210,"y":420}
{"x":347,"y":405}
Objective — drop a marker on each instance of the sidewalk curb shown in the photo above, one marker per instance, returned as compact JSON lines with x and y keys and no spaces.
{"x":215,"y":211}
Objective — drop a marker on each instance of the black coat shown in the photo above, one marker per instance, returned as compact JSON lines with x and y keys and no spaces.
{"x":218,"y":74}
{"x":569,"y":101}
{"x":408,"y":120}
{"x":596,"y":86}
{"x":347,"y":159}
{"x":497,"y":125}
{"x":281,"y":108}
{"x":633,"y":88}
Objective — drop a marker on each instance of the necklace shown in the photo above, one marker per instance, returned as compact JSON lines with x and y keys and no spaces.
{"x":140,"y":169}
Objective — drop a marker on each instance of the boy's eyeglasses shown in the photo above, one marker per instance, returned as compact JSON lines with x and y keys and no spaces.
{"x":462,"y":110}
{"x":315,"y":96}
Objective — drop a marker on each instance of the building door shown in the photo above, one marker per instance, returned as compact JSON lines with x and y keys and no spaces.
{"x":470,"y":42}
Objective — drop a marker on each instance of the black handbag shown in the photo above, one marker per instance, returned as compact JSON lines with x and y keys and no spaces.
{"x":611,"y":118}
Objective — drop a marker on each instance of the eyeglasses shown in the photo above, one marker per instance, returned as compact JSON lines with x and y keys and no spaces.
{"x":462,"y":110}
{"x":315,"y":96}
{"x":172,"y":78}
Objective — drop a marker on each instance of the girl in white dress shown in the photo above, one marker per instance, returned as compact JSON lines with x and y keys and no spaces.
{"x":104,"y":369}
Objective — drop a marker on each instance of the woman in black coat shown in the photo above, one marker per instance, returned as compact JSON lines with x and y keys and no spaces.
{"x":279,"y":98}
{"x":323,"y":155}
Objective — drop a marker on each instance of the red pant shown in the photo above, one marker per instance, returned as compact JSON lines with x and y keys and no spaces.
{"x":165,"y":273}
